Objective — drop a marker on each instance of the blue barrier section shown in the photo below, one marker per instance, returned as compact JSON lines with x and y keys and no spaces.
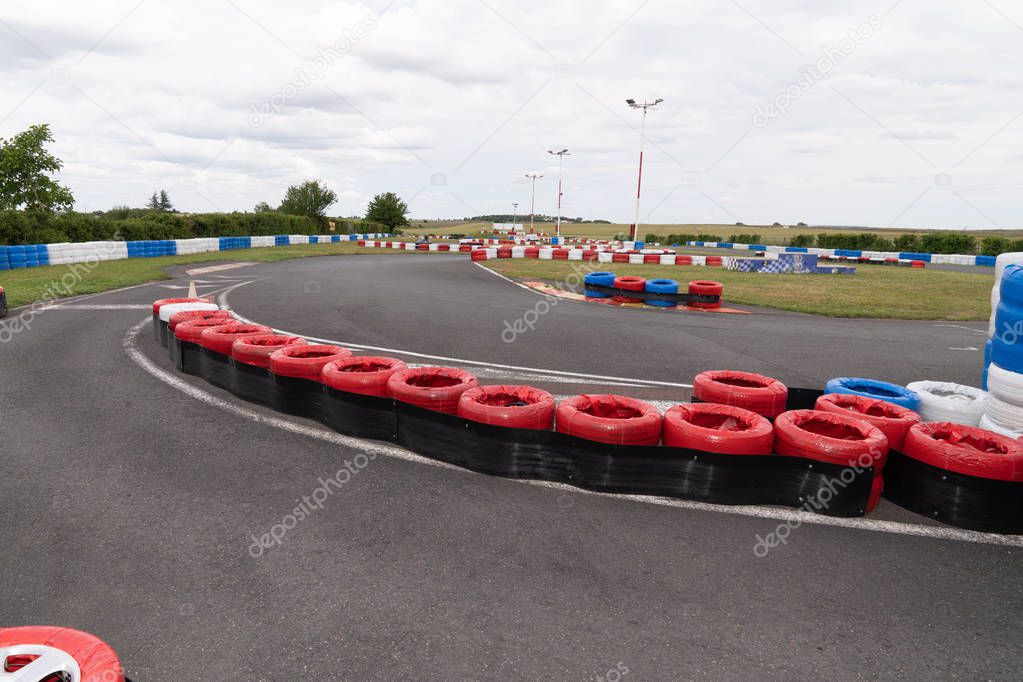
{"x":42,"y":254}
{"x":724,"y":245}
{"x":16,"y":257}
{"x":639,"y":245}
{"x":280,"y":240}
{"x":353,"y":237}
{"x":848,"y":253}
{"x":908,"y":255}
{"x":796,"y":249}
{"x":4,"y":263}
{"x":988,"y":261}
{"x":31,"y":256}
{"x":757,"y":247}
{"x":697,"y":243}
{"x":335,"y":238}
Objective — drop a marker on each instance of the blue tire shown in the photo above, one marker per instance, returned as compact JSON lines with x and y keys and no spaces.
{"x":604,"y":279}
{"x":1011,"y":288}
{"x":871,"y":388}
{"x":1007,"y":343}
{"x":662,"y":286}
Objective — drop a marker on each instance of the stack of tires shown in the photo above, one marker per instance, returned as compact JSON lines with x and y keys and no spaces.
{"x":1004,"y":407}
{"x":1001,"y":263}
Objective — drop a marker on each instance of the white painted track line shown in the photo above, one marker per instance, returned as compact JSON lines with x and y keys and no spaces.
{"x":771,"y":513}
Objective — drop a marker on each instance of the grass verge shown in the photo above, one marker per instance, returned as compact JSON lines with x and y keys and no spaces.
{"x":34,"y":284}
{"x":875,"y":291}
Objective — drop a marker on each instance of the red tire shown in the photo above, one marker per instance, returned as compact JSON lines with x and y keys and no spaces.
{"x":683,"y":260}
{"x":590,"y":255}
{"x":256,"y":350}
{"x":362,"y":374}
{"x":187,"y":315}
{"x":614,"y":419}
{"x":191,"y":330}
{"x":653,"y":258}
{"x":21,"y":651}
{"x":422,"y":247}
{"x":167,"y":301}
{"x":462,"y":248}
{"x":714,"y":261}
{"x":754,"y":392}
{"x":706,"y":287}
{"x":560,"y":254}
{"x":629,"y":284}
{"x":478,"y":254}
{"x":532,"y":252}
{"x":220,"y":338}
{"x":520,"y":407}
{"x":504,"y":252}
{"x":444,"y":247}
{"x":893,"y":420}
{"x":434,"y":388}
{"x":718,"y":428}
{"x":829,"y":437}
{"x":965,"y":450}
{"x":619,"y":257}
{"x":305,"y":361}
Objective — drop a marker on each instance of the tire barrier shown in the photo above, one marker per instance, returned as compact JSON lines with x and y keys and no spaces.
{"x":942,"y":401}
{"x":1005,"y":417}
{"x":960,"y":475}
{"x":601,"y":279}
{"x":793,"y":480}
{"x":834,"y":438}
{"x":188,"y":316}
{"x":3,"y":303}
{"x":365,"y":375}
{"x":432,"y":388}
{"x":215,"y":350}
{"x":296,"y":387}
{"x":871,"y":388}
{"x":703,"y":287}
{"x":661,"y":286}
{"x":893,"y":420}
{"x":250,"y":356}
{"x":168,"y":301}
{"x":519,"y":407}
{"x":614,"y":419}
{"x":628,"y":284}
{"x":167,"y":311}
{"x":184,"y":348}
{"x":717,"y":428}
{"x":1007,"y":342}
{"x":43,"y":653}
{"x":853,"y":254}
{"x":634,"y":294}
{"x":754,"y":392}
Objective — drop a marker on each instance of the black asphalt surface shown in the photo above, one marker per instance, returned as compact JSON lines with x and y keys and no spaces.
{"x":127,"y":508}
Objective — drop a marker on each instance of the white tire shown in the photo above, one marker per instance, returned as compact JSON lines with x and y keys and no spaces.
{"x":942,"y":401}
{"x":1003,"y":414}
{"x":1005,"y":385}
{"x":988,"y":424}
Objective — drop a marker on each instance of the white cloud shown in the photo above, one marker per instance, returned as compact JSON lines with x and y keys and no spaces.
{"x":374,"y":97}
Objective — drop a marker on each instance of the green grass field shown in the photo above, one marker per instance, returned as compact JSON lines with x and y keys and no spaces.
{"x":766,"y":233}
{"x":875,"y":291}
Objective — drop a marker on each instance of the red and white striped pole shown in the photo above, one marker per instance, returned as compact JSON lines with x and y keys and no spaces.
{"x":642,"y":139}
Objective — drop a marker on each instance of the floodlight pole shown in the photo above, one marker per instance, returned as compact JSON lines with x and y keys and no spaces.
{"x":532,"y":202}
{"x":561,"y":158}
{"x":642,"y":139}
{"x":515,"y":214}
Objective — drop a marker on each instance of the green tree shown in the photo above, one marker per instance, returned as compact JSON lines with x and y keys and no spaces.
{"x":24,"y":167}
{"x":387,"y":209}
{"x":165,"y":204}
{"x":308,"y":199}
{"x":154,"y":203}
{"x":262,"y":207}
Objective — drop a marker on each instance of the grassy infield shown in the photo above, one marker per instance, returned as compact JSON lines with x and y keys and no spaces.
{"x":874,"y":291}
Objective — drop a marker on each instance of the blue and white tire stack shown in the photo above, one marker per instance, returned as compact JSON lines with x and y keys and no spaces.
{"x":1004,"y":374}
{"x":934,"y":401}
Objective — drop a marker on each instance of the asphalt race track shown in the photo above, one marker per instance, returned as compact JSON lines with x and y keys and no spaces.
{"x":130,"y":493}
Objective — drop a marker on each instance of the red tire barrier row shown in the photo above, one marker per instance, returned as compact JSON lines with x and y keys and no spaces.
{"x":256,"y":350}
{"x":836,"y":439}
{"x":220,"y":338}
{"x":629,"y":284}
{"x":45,"y":653}
{"x":187,"y":315}
{"x":169,"y":301}
{"x":305,"y":361}
{"x":684,"y":260}
{"x":705,"y":286}
{"x":522,"y":407}
{"x":434,"y":388}
{"x":966,"y":450}
{"x":614,"y":419}
{"x":365,"y":374}
{"x":619,"y":257}
{"x":754,"y":392}
{"x":191,"y":330}
{"x":718,"y":428}
{"x":893,"y":420}
{"x":559,"y":254}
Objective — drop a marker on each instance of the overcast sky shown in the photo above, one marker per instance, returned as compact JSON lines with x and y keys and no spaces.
{"x":882,"y":113}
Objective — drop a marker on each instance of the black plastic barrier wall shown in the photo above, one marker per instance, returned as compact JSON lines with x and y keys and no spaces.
{"x":830,"y":489}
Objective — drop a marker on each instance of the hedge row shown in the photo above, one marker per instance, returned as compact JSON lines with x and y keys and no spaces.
{"x":23,"y":227}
